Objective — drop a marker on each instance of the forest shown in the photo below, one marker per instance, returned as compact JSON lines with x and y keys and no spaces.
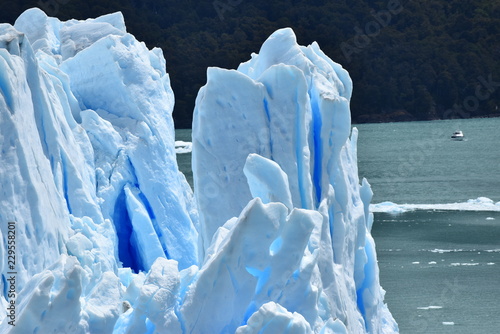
{"x":409,"y":59}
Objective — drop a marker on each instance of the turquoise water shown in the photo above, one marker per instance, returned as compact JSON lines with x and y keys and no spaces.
{"x":416,"y":162}
{"x":441,"y":269}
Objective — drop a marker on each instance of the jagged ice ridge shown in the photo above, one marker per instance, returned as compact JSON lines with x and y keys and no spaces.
{"x":109,"y":236}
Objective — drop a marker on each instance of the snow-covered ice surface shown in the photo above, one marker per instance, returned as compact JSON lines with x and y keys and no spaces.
{"x":109,"y":236}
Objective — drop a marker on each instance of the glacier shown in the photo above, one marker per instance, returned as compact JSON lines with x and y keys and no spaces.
{"x":110,"y":237}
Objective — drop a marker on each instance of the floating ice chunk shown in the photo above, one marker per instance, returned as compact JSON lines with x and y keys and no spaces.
{"x":183,"y":147}
{"x":481,"y":200}
{"x":479,"y":204}
{"x":448,"y":323}
{"x":490,"y":218}
{"x":441,"y":251}
{"x":432,"y":307}
{"x":388,"y":207}
{"x":456,"y":264}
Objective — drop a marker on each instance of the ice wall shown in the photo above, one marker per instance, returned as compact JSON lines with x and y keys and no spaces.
{"x":88,"y":170}
{"x":276,"y":130}
{"x":109,"y":236}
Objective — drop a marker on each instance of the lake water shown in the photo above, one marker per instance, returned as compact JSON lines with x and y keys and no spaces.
{"x":441,"y":269}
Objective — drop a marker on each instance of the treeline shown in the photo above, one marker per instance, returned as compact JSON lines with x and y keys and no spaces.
{"x":409,"y":60}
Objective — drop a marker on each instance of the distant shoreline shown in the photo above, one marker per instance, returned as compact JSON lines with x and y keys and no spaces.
{"x":402,"y":116}
{"x":402,"y":120}
{"x":426,"y":120}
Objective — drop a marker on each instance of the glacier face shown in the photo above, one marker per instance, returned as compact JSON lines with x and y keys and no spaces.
{"x":109,"y":236}
{"x":277,"y":130}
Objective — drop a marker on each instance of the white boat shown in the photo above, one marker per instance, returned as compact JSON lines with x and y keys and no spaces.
{"x":457,"y":135}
